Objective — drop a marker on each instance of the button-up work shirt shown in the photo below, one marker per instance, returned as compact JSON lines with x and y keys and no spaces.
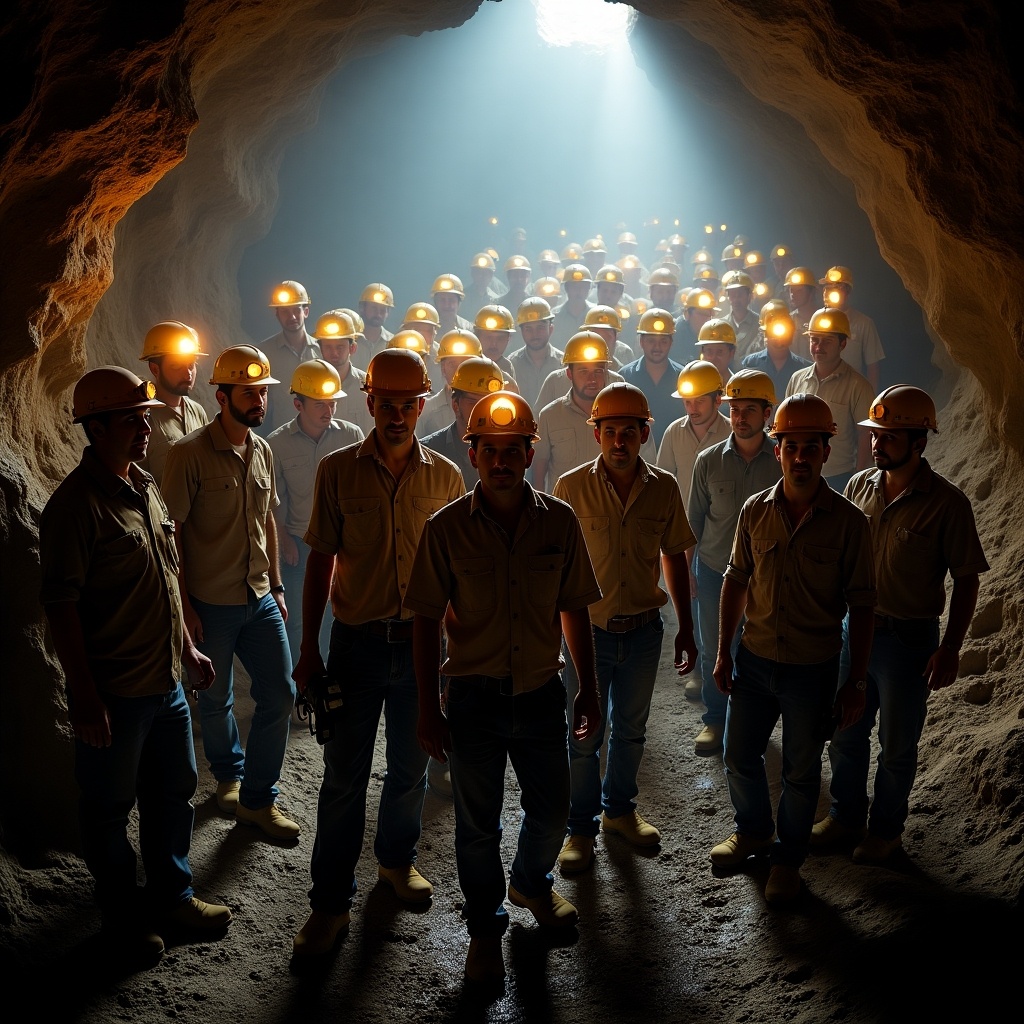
{"x":679,"y":447}
{"x":500,"y":596}
{"x":170,"y":425}
{"x":625,"y":543}
{"x":801,"y":581}
{"x":372,"y":523}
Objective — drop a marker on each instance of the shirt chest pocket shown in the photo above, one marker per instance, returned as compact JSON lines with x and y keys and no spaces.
{"x":597,"y":534}
{"x":422,"y":509}
{"x":221,"y":497}
{"x":261,"y":497}
{"x":648,"y":537}
{"x":819,"y":569}
{"x":564,"y":449}
{"x":360,"y":522}
{"x":121,"y":559}
{"x":911,"y":552}
{"x":474,"y":585}
{"x":298,"y":467}
{"x":722,"y":499}
{"x":544,"y":579}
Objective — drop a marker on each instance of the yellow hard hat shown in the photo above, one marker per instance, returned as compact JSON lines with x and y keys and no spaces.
{"x":171,"y":338}
{"x":396,"y":373}
{"x":357,"y":320}
{"x":602,"y":316}
{"x":289,"y":293}
{"x":677,"y":242}
{"x":494,"y":318}
{"x":902,"y":407}
{"x":779,"y":326}
{"x":572,"y":252}
{"x":379,"y":293}
{"x":780,"y":251}
{"x":548,"y":256}
{"x":458,"y":344}
{"x":448,"y":283}
{"x":797,"y":276}
{"x":335,"y":324}
{"x":770,"y":308}
{"x":663,"y":276}
{"x":732,"y":251}
{"x":483,"y":260}
{"x":585,"y":347}
{"x":749,"y":383}
{"x":717,"y":332}
{"x":763,"y":291}
{"x":828,"y":320}
{"x":628,"y":262}
{"x":111,"y":389}
{"x":577,"y":272}
{"x":705,"y":272}
{"x":242,"y":364}
{"x":411,"y":339}
{"x":641,"y":305}
{"x":503,"y":412}
{"x":620,"y":399}
{"x":421,"y":313}
{"x":838,"y":275}
{"x":626,"y":238}
{"x":533,"y":308}
{"x":753,"y":259}
{"x":547,"y":287}
{"x":478,"y":375}
{"x":737,"y":279}
{"x":610,"y":274}
{"x":702,"y":298}
{"x":594,"y":245}
{"x":701,"y":256}
{"x":317,"y":379}
{"x":697,"y":378}
{"x":517,"y":263}
{"x":656,"y":321}
{"x":803,"y":414}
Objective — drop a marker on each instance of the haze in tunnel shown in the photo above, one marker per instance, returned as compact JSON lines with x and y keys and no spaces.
{"x":421,"y":146}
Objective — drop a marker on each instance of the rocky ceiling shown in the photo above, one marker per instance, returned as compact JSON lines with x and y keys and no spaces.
{"x":913,"y":102}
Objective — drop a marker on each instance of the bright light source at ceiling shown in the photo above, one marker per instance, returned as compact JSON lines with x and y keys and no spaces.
{"x":593,"y":24}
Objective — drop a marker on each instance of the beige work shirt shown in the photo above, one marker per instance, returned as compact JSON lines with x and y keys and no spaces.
{"x":222,"y":502}
{"x":529,"y":376}
{"x":680,"y":445}
{"x":557,"y":383}
{"x":500,"y":596}
{"x":801,"y":581}
{"x":353,"y":408}
{"x":849,"y":396}
{"x":284,"y":361}
{"x":296,"y":456}
{"x":109,"y":548}
{"x":625,"y":543}
{"x":925,"y":532}
{"x":170,"y":425}
{"x":371,"y":524}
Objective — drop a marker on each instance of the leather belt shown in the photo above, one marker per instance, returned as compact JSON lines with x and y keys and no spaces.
{"x":627,"y":623}
{"x":394,"y":631}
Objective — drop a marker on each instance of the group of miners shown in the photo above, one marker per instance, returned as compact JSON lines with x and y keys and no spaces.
{"x":480,"y":543}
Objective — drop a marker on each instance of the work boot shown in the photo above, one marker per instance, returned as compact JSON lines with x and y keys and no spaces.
{"x":549,"y":910}
{"x":737,"y":848}
{"x":632,"y":828}
{"x":269,"y":819}
{"x":320,"y":932}
{"x":830,"y":831}
{"x":227,"y":795}
{"x":875,"y":849}
{"x":485,"y":963}
{"x":784,"y":884}
{"x":409,"y":885}
{"x":693,"y":688}
{"x":195,"y":914}
{"x":127,"y":935}
{"x":577,"y":855}
{"x":709,"y":740}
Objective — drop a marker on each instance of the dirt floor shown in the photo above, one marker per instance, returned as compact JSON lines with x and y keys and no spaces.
{"x":661,"y":937}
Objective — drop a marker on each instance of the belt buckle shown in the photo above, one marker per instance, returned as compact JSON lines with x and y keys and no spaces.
{"x":387,"y":631}
{"x":623,"y":623}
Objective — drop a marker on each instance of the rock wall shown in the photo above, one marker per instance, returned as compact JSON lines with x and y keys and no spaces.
{"x":914,"y":104}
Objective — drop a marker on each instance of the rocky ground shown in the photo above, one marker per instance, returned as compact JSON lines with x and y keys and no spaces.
{"x":662,"y":935}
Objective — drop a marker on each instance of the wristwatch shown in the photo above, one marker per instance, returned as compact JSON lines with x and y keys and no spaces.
{"x":279,"y":589}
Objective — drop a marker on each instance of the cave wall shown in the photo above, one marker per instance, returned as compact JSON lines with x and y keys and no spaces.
{"x":190,"y":107}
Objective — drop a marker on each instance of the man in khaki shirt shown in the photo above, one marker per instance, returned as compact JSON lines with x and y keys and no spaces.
{"x":220,"y":490}
{"x":370,"y":503}
{"x":635,"y":526}
{"x":506,"y":570}
{"x":923,"y":529}
{"x":801,"y":559}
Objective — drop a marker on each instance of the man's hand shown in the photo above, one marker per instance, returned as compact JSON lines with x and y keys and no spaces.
{"x":279,"y":598}
{"x":198,"y":668}
{"x":90,"y":720}
{"x":289,"y":549}
{"x":433,"y":733}
{"x":685,"y":652}
{"x":693,"y":587}
{"x":849,"y":705}
{"x":723,"y":672}
{"x":308,"y":667}
{"x":193,"y":624}
{"x":942,"y":668}
{"x":586,"y":714}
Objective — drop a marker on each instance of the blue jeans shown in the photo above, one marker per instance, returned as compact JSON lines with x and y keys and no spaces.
{"x":374,"y":674}
{"x":709,"y":597}
{"x":490,"y":727}
{"x":293,"y":577}
{"x":151,"y":760}
{"x":627,"y":666}
{"x":255,"y":632}
{"x":803,"y":695}
{"x":897,"y":696}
